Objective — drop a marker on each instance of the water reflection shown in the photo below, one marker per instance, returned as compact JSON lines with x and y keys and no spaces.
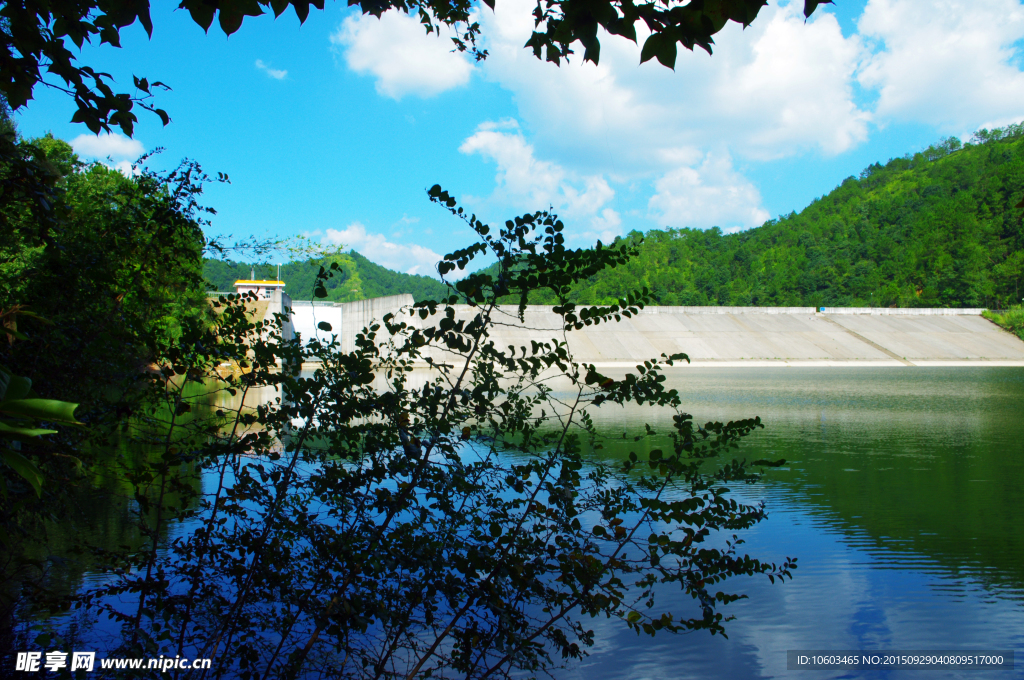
{"x":902,"y":499}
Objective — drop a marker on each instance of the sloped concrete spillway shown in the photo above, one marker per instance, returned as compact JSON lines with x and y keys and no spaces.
{"x":724,"y":336}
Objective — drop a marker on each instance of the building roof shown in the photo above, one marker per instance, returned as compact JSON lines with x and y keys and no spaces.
{"x":258,"y":283}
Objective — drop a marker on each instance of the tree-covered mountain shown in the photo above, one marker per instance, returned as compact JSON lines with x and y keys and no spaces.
{"x":358,"y":279}
{"x":940,"y":228}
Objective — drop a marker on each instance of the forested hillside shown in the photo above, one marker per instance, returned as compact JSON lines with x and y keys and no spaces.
{"x":939,"y":228}
{"x":359,"y":278}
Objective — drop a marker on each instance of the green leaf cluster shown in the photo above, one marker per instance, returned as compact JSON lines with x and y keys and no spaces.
{"x":20,"y":411}
{"x":112,"y":262}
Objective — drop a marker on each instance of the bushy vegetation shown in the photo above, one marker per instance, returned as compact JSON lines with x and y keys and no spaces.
{"x":1011,"y":319}
{"x":357,"y":278}
{"x":110,"y":263}
{"x":375,"y":521}
{"x":939,"y":228}
{"x":99,"y":277}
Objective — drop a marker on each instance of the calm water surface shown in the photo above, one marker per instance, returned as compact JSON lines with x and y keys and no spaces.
{"x":903,"y":499}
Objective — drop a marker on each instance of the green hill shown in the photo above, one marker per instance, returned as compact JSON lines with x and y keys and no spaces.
{"x":359,"y":278}
{"x":938,"y":228}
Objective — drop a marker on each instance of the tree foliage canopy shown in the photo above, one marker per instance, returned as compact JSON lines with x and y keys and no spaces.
{"x":99,"y":274}
{"x":109,"y":260}
{"x":38,"y":36}
{"x":937,"y":228}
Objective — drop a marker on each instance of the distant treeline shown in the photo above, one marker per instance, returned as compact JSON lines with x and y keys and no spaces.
{"x":359,"y":278}
{"x":940,"y":228}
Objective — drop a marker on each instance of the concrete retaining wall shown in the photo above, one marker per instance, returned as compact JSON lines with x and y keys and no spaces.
{"x":306,"y":316}
{"x":884,"y":311}
{"x":721,"y":336}
{"x":347,"y":319}
{"x":774,"y":336}
{"x":355,"y":316}
{"x":914,"y":311}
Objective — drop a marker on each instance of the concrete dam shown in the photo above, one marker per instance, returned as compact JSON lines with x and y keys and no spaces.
{"x":716,"y":336}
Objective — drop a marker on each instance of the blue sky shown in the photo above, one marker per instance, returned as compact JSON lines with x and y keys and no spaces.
{"x":334,"y":129}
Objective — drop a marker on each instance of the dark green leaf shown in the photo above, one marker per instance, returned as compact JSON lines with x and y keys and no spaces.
{"x":9,"y":431}
{"x":41,"y":409}
{"x":24,"y":467}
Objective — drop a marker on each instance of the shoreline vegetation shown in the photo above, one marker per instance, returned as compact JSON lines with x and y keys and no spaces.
{"x":1011,"y":319}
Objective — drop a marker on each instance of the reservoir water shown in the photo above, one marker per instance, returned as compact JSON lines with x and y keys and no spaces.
{"x":902,"y":497}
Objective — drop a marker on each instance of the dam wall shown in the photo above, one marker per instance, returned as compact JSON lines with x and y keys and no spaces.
{"x":307,"y":315}
{"x":770,"y":336}
{"x":792,"y":336}
{"x":877,"y":311}
{"x":715,"y":336}
{"x":346,"y":319}
{"x":355,"y":316}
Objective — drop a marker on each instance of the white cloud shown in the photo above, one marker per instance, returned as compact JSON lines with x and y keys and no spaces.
{"x":527,"y":183}
{"x":399,"y":53}
{"x":108,"y":145}
{"x":405,"y":220}
{"x":604,"y":227}
{"x":112,"y":149}
{"x":780,"y":87}
{"x":589,"y":199}
{"x":521,"y":179}
{"x":948,"y":63}
{"x":411,"y":259}
{"x":707,"y":196}
{"x":125,"y":168}
{"x":404,"y":227}
{"x":792,"y":88}
{"x":272,"y":72}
